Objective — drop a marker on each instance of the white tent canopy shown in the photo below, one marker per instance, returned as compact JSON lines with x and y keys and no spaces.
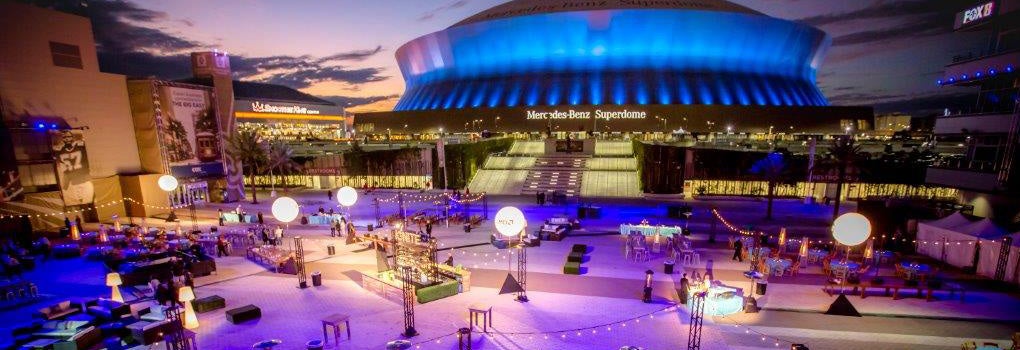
{"x":988,"y":259}
{"x":955,"y":237}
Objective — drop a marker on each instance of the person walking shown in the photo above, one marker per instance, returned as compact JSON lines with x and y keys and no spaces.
{"x":261,"y":222}
{"x":738,"y":247}
{"x":221,"y":247}
{"x":428,"y":228}
{"x":329,"y":195}
{"x":219,"y":216}
{"x":279,"y":236}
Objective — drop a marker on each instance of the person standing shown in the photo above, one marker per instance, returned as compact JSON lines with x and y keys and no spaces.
{"x":428,"y":228}
{"x":684,"y":285}
{"x":329,"y":195}
{"x":279,"y":236}
{"x":221,"y":247}
{"x":219,"y":216}
{"x":261,"y":222}
{"x":738,"y":247}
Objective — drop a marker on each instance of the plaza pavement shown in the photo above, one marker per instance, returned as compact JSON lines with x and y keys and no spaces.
{"x":607,"y":294}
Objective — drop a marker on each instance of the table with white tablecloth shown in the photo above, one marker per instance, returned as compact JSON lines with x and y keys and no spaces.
{"x":323,"y":219}
{"x":649,"y":230}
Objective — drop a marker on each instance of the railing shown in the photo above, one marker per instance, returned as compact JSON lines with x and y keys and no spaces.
{"x":971,"y":56}
{"x":959,"y":163}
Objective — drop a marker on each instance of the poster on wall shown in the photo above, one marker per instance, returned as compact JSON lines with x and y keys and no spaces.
{"x":72,"y":165}
{"x":189,"y":132}
{"x":10,"y":181}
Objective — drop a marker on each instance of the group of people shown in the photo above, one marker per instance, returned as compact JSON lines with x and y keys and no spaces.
{"x":8,"y":257}
{"x":165,"y":291}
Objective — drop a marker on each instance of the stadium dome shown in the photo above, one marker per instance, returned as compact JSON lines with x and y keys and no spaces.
{"x":614,"y":52}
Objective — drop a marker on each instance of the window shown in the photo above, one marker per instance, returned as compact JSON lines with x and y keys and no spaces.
{"x":65,"y":55}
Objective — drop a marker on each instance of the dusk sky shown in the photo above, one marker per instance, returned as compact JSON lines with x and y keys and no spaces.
{"x":885,"y":53}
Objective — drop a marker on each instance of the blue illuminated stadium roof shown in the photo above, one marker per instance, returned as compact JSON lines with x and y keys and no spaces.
{"x":617,"y":52}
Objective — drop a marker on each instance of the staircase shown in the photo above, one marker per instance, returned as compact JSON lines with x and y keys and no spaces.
{"x":556,"y":173}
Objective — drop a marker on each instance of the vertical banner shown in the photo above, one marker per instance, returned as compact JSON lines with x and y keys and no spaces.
{"x":190,"y":132}
{"x":441,"y":152}
{"x":72,"y":165}
{"x":216,"y":65}
{"x":10,"y":181}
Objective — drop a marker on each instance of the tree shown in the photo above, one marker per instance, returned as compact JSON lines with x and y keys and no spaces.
{"x":844,"y":154}
{"x":280,"y":159}
{"x":774,"y":171}
{"x":246,"y":146}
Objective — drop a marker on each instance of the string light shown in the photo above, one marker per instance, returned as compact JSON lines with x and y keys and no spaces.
{"x":93,"y":208}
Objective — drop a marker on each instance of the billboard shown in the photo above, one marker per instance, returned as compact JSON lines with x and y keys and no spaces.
{"x":10,"y":181}
{"x":72,"y":165}
{"x":189,"y":132}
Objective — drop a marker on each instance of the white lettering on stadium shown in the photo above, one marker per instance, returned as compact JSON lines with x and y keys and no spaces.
{"x":599,"y":114}
{"x":268,"y":108}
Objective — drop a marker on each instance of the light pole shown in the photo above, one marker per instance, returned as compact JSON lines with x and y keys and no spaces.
{"x":346,"y":196}
{"x":849,"y":229}
{"x":285,"y":210}
{"x":510,"y":222}
{"x":169,"y":184}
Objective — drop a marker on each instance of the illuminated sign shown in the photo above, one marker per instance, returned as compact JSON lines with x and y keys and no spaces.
{"x":597,"y":114}
{"x":975,"y":14}
{"x":260,"y":107}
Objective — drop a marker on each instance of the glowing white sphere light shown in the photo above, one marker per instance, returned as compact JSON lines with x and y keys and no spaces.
{"x":510,"y":221}
{"x":346,"y":196}
{"x":167,"y":183}
{"x":851,"y":229}
{"x":285,"y":209}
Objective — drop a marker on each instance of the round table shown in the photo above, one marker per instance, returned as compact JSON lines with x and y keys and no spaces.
{"x":913,"y":270}
{"x":778,"y":264}
{"x":267,"y":344}
{"x":851,"y":266}
{"x":398,"y":345}
{"x":817,"y":254}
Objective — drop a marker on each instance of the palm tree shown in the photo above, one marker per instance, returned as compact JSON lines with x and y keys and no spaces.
{"x":247,"y":147}
{"x":774,"y":170}
{"x":280,"y":159}
{"x":844,"y":154}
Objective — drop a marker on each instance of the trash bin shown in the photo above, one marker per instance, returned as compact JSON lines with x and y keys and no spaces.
{"x":667,"y":267}
{"x":331,"y":249}
{"x":316,"y":278}
{"x":762,"y":285}
{"x":370,"y":227}
{"x":314,"y":345}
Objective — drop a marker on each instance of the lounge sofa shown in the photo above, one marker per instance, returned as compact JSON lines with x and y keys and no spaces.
{"x":82,"y":340}
{"x":108,"y":309}
{"x":72,"y":335}
{"x":203,"y":268}
{"x":58,"y":310}
{"x":147,"y":332}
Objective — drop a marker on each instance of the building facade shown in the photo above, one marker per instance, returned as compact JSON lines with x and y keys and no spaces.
{"x":986,"y":134}
{"x":54,"y":101}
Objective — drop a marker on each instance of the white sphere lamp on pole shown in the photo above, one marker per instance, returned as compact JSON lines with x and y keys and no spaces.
{"x":169,"y":184}
{"x":510,"y":221}
{"x":285,"y":209}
